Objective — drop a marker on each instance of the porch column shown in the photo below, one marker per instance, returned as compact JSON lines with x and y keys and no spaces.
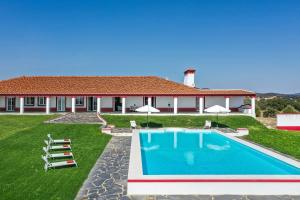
{"x":201,"y":105}
{"x":47,"y":105}
{"x":227,"y":99}
{"x":98,"y":104}
{"x":253,"y":107}
{"x":175,"y":105}
{"x":149,"y":103}
{"x":21,"y":105}
{"x":73,"y":104}
{"x":123,"y":105}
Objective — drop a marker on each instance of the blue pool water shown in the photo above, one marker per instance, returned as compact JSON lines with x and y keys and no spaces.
{"x":184,"y":153}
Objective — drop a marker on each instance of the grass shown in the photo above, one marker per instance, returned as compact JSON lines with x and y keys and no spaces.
{"x":22,"y":175}
{"x":9,"y":125}
{"x":21,"y":138}
{"x":287,"y":142}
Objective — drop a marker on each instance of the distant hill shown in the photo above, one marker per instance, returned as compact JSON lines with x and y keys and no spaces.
{"x":272,"y":94}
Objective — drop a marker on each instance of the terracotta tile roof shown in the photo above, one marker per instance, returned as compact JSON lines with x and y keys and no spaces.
{"x":227,"y":92}
{"x":101,"y":86}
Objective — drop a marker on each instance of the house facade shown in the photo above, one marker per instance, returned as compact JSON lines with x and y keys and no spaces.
{"x":116,"y":94}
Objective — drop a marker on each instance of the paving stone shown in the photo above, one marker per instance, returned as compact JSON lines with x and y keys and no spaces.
{"x":77,"y":118}
{"x":185,"y":197}
{"x":283,"y":197}
{"x":229,"y":197}
{"x":106,"y":174}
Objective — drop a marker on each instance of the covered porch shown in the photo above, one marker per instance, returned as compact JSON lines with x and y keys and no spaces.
{"x":168,"y":105}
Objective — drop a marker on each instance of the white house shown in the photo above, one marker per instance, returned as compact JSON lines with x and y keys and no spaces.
{"x":113,"y":94}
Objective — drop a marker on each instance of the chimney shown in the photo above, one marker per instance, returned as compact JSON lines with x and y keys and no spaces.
{"x":189,"y":77}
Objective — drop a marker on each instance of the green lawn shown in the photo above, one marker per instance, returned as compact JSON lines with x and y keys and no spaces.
{"x":283,"y":141}
{"x":21,"y":138}
{"x":22,"y":175}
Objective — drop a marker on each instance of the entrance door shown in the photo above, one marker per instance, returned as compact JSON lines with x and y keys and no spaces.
{"x":153,"y":101}
{"x":11,"y":103}
{"x":118,"y":104}
{"x":92,"y":103}
{"x":61,"y":104}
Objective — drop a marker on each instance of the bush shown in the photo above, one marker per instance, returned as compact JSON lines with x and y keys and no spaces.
{"x":289,"y":109}
{"x":270,"y":112}
{"x":257,"y":111}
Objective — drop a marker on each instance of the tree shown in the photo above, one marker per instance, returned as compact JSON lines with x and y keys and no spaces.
{"x":258,"y":111}
{"x":270,"y":112}
{"x":289,"y":109}
{"x":247,"y":101}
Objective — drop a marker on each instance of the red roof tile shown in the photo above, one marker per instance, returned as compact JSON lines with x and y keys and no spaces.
{"x":104,"y":86}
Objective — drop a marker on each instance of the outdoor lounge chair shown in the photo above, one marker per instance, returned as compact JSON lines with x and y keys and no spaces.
{"x":207,"y":125}
{"x":58,"y":164}
{"x":57,"y":147}
{"x":132,"y":124}
{"x":57,"y":155}
{"x":59,"y":141}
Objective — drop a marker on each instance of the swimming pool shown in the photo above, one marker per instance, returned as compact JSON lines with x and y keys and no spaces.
{"x":185,"y":161}
{"x":205,"y":153}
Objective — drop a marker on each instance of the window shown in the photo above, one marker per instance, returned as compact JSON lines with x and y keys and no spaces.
{"x":42,"y":101}
{"x":29,"y":101}
{"x":79,"y":101}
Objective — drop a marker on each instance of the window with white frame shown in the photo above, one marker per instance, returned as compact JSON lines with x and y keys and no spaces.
{"x":42,"y":101}
{"x":29,"y":101}
{"x":79,"y":101}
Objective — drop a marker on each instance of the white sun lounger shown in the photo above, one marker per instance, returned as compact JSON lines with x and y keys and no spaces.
{"x":207,"y":124}
{"x":58,"y":141}
{"x":57,"y":155}
{"x":57,"y":147}
{"x":133,"y":124}
{"x":49,"y":165}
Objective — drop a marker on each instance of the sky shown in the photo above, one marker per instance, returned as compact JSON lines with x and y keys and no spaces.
{"x":249,"y":44}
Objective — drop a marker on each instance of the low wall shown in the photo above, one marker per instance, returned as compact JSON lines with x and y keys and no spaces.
{"x":288,"y":121}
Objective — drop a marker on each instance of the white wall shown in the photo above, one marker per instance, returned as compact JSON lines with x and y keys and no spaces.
{"x":162,"y":102}
{"x":18,"y":102}
{"x":106,"y":102}
{"x":131,"y":101}
{"x":35,"y":102}
{"x":52,"y":102}
{"x":211,"y":101}
{"x":288,"y":120}
{"x":186,"y":102}
{"x":68,"y":102}
{"x":2,"y":102}
{"x":236,"y":102}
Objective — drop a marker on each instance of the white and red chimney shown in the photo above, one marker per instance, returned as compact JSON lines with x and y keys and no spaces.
{"x":189,"y":77}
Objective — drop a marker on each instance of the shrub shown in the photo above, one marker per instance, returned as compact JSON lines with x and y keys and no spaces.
{"x":257,"y":111}
{"x":270,"y":112}
{"x":289,"y":109}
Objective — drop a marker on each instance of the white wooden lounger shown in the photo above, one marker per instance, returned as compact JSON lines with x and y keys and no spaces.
{"x":57,"y":155}
{"x":207,"y":125}
{"x":49,"y":165}
{"x":58,"y":141}
{"x":132,"y":124}
{"x":57,"y":147}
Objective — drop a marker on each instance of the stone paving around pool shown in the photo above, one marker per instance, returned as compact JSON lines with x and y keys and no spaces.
{"x":108,"y":179}
{"x":77,"y":118}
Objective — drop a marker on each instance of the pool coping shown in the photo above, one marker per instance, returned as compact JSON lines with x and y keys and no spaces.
{"x":135,"y":173}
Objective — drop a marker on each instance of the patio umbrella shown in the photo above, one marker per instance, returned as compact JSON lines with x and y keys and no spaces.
{"x":217,"y":109}
{"x":148,"y":109}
